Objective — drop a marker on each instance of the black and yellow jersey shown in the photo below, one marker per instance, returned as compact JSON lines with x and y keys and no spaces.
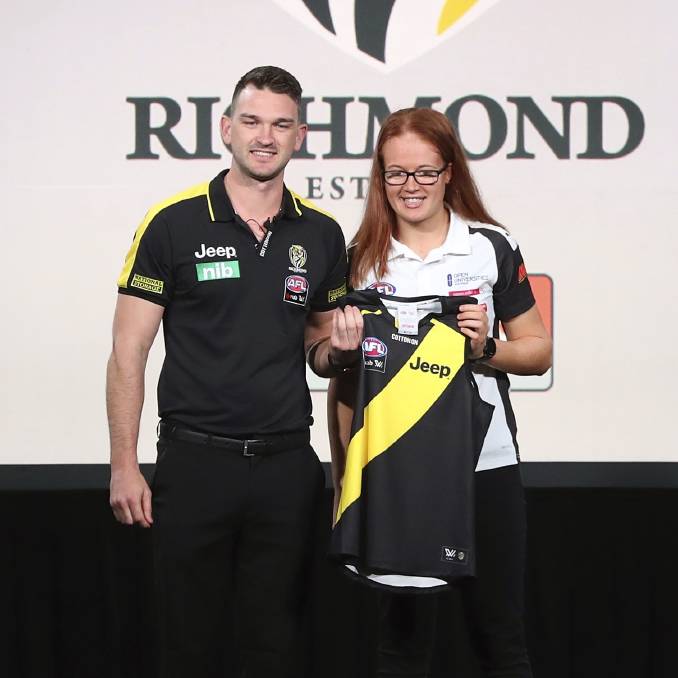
{"x":406,"y":504}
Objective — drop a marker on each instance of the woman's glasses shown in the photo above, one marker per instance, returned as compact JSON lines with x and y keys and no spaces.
{"x":424,"y":177}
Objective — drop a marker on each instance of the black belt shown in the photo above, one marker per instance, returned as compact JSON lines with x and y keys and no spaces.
{"x":262,"y":446}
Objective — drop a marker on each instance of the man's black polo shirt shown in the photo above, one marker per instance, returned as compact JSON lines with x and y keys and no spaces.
{"x":235,"y":310}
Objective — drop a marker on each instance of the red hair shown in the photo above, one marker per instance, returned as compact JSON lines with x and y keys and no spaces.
{"x":373,"y":239}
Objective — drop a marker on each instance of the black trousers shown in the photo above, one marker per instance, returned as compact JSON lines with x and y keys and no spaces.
{"x":232,"y":543}
{"x":493,"y":601}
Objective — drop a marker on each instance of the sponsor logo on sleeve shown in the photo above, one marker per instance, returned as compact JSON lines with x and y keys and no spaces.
{"x":337,"y":293}
{"x":298,"y":258}
{"x":147,"y":284}
{"x":382,"y":287}
{"x":296,"y":290}
{"x":217,"y":270}
{"x":522,"y":273}
{"x":374,"y":354}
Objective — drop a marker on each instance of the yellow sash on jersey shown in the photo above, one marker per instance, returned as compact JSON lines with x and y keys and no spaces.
{"x":401,"y":404}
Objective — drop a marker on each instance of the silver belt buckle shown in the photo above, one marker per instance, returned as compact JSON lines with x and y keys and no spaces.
{"x":245,"y":453}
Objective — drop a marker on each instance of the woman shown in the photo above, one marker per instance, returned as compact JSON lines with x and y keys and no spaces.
{"x":426,"y":232}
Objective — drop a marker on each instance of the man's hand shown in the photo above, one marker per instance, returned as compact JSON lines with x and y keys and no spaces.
{"x":346,"y":337}
{"x":473,"y":322}
{"x":131,"y":497}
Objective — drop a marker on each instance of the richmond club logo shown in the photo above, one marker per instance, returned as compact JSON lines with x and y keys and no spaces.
{"x":388,"y":33}
{"x":298,"y":258}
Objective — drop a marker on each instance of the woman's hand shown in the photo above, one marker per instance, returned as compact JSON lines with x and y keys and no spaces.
{"x":473,"y":322}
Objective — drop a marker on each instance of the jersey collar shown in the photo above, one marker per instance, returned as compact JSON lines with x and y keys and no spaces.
{"x":221,"y":209}
{"x":457,"y":241}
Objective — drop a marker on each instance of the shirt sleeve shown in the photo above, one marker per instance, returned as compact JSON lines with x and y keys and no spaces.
{"x":147,"y":272}
{"x":512,"y":292}
{"x":333,"y":287}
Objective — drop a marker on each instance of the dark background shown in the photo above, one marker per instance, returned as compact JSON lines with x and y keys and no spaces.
{"x":602,"y":580}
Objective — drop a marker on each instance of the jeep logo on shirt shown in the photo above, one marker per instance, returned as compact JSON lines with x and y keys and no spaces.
{"x":443,"y":371}
{"x":219,"y":251}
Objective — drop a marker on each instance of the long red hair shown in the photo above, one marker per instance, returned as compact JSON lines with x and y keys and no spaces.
{"x":371,"y":243}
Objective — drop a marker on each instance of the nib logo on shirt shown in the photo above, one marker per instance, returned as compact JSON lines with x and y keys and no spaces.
{"x":217,"y":270}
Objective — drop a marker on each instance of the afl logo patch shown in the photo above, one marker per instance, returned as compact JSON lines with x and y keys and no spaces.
{"x":296,"y":290}
{"x":374,"y":348}
{"x":374,"y":354}
{"x":382,"y":287}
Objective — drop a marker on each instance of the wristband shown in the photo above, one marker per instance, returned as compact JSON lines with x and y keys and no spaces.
{"x":339,"y":369}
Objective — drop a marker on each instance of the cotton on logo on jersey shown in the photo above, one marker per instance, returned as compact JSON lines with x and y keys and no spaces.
{"x":296,"y":290}
{"x":374,"y":354}
{"x":382,"y":287}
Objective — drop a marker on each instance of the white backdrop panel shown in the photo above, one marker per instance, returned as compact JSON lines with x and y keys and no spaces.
{"x":603,"y":229}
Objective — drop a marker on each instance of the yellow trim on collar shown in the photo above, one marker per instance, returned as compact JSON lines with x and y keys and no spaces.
{"x":311,"y":205}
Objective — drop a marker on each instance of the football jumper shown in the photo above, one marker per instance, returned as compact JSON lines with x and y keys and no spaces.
{"x":481,"y":261}
{"x":406,"y":505}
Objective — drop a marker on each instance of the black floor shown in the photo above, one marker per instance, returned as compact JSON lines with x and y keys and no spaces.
{"x":602,"y":591}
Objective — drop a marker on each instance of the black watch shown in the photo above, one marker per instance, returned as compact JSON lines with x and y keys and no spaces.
{"x":489,"y":349}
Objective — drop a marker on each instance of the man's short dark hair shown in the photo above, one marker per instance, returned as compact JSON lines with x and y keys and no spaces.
{"x":276,"y":79}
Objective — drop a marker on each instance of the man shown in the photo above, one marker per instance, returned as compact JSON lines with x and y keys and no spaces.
{"x":245,"y":276}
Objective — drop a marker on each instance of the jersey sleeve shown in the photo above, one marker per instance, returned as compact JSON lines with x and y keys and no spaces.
{"x":147,"y":272}
{"x":512,"y":292}
{"x":333,"y":287}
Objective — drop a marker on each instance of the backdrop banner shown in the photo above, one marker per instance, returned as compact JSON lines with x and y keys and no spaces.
{"x":565,"y":110}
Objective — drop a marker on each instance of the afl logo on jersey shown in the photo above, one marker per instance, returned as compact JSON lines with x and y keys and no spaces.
{"x":374,"y":348}
{"x":296,"y":290}
{"x":374,"y":354}
{"x":382,"y":287}
{"x":297,"y":284}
